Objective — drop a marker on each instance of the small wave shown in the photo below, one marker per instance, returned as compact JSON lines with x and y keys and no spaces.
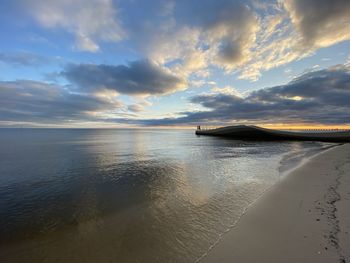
{"x":296,"y":158}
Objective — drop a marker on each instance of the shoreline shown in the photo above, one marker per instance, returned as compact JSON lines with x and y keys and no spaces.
{"x":302,"y":218}
{"x":284,"y":172}
{"x":305,"y":158}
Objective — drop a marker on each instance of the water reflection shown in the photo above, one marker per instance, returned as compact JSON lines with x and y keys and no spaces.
{"x":126,"y":195}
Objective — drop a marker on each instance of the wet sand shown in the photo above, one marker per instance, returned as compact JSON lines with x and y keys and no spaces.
{"x":303,"y":218}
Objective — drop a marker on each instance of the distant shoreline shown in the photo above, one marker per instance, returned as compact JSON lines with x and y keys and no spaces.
{"x":303,"y":218}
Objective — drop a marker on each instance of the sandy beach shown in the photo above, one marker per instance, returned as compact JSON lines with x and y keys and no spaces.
{"x":303,"y":218}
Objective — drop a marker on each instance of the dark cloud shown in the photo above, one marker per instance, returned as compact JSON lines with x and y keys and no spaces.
{"x":321,"y":22}
{"x":315,"y":97}
{"x":230,"y":52}
{"x":25,"y":100}
{"x":320,"y":97}
{"x":141,"y":77}
{"x":232,"y":26}
{"x":212,"y":14}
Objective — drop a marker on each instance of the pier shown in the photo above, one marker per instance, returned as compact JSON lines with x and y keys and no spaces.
{"x":251,"y":132}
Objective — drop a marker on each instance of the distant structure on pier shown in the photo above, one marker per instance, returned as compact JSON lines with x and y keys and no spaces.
{"x":251,"y":132}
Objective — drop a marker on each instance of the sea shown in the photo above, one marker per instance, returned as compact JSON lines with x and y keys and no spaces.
{"x":130,"y":195}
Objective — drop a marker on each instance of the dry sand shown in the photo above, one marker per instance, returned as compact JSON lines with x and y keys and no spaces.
{"x":303,"y":218}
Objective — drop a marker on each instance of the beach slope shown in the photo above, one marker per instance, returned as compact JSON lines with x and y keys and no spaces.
{"x":303,"y":218}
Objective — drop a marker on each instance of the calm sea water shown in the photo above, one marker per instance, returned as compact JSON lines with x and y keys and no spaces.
{"x":72,"y":195}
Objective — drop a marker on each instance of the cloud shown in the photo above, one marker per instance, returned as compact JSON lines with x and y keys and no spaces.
{"x":277,"y":43}
{"x":244,"y":36}
{"x":23,"y":59}
{"x":195,"y":36}
{"x":315,"y":97}
{"x":226,"y":90}
{"x":191,"y":37}
{"x":320,"y":22}
{"x":142,"y":77}
{"x":236,"y":37}
{"x":135,"y":108}
{"x":90,"y":21}
{"x":295,"y":29}
{"x":229,"y":31}
{"x":139,"y":105}
{"x":25,"y":100}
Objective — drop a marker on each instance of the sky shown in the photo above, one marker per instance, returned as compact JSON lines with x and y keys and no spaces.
{"x":156,"y":63}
